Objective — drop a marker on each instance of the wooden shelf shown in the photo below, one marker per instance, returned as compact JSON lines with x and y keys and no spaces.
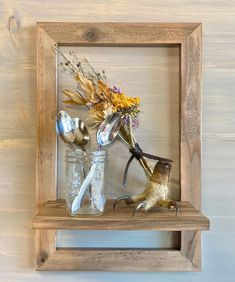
{"x":54,"y":215}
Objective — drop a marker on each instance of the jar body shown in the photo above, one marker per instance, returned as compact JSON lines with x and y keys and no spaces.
{"x":85,"y":180}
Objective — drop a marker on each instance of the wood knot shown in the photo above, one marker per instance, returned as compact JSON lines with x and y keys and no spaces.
{"x":91,"y":34}
{"x":42,"y":257}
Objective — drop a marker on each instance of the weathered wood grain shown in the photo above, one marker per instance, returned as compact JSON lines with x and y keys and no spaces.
{"x":54,"y":215}
{"x":18,"y":79}
{"x":46,"y":138}
{"x":118,"y":260}
{"x":190,"y":147}
{"x":127,"y":34}
{"x":190,"y":107}
{"x":118,"y":239}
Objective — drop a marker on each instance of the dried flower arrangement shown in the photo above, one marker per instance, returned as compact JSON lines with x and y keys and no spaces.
{"x":102,"y":100}
{"x":105,"y":103}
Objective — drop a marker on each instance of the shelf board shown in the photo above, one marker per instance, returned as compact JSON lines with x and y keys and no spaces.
{"x":54,"y":215}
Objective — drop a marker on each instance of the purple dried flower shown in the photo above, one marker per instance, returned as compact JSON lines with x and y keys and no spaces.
{"x":116,"y":90}
{"x":125,"y":120}
{"x":135,"y":122}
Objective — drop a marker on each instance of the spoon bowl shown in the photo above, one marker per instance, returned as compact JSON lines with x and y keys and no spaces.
{"x":109,"y":129}
{"x":82,"y":136}
{"x":65,"y":128}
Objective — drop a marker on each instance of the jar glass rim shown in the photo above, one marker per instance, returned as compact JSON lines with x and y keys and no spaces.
{"x":80,"y":153}
{"x":89,"y":156}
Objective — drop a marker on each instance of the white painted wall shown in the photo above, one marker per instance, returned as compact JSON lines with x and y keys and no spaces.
{"x":17,"y":129}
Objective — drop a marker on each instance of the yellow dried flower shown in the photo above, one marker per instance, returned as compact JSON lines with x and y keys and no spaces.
{"x":121,"y":101}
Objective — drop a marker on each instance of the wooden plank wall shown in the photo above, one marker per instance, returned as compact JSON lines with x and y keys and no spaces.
{"x":17,"y":127}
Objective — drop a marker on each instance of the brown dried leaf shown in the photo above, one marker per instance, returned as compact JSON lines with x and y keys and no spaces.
{"x":75,"y":97}
{"x":69,"y":102}
{"x":86,"y":85}
{"x":103,"y":88}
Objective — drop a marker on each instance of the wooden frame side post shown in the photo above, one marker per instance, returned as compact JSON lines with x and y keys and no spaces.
{"x":46,"y":139}
{"x":191,"y":61}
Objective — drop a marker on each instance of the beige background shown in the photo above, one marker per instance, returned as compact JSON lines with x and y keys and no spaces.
{"x":153,"y":75}
{"x":17,"y":128}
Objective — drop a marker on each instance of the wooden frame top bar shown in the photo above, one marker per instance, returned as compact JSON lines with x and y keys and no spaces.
{"x":121,"y":34}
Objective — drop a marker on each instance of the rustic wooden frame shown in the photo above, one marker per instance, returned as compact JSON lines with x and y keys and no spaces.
{"x":188,"y":37}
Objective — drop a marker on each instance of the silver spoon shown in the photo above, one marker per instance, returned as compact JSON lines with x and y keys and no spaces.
{"x":109,"y":129}
{"x":65,"y":129}
{"x":72,"y":131}
{"x":82,"y":135}
{"x":106,"y":133}
{"x":81,"y":139}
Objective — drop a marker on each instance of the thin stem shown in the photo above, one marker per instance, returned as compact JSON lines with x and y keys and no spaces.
{"x":131,"y":144}
{"x":120,"y":135}
{"x":67,"y":61}
{"x":97,"y":75}
{"x":131,"y":132}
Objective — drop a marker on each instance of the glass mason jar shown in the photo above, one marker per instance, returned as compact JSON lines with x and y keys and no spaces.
{"x":85,"y":179}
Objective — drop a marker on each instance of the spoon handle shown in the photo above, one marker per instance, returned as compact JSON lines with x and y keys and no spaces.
{"x":71,"y":147}
{"x":78,"y":199}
